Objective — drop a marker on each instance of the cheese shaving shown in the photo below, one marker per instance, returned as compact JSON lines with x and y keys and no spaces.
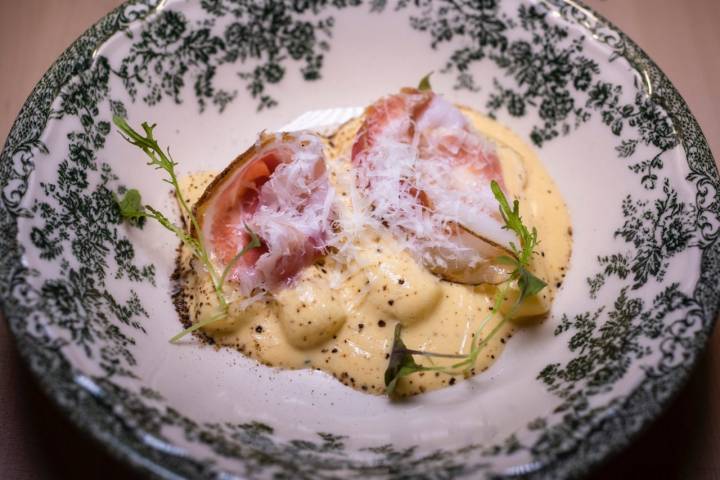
{"x":419,"y":190}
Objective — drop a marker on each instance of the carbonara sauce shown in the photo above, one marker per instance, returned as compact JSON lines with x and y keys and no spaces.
{"x":339,"y":317}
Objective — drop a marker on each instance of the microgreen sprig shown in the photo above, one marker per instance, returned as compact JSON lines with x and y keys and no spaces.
{"x":528,"y":283}
{"x":402,"y":363}
{"x":424,"y":84}
{"x":132,"y":208}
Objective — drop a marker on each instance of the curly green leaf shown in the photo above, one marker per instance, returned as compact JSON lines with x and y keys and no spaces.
{"x":131,"y":207}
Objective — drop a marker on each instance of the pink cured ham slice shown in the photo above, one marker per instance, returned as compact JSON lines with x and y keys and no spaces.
{"x":427,"y":173}
{"x":279,"y":189}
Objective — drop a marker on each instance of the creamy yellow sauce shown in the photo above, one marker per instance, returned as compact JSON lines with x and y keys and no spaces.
{"x":339,"y":317}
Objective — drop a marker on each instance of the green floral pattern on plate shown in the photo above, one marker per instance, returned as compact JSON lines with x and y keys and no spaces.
{"x":545,"y":75}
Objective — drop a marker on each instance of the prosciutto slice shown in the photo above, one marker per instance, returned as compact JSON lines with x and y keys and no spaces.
{"x":426,"y":172}
{"x":278,"y":189}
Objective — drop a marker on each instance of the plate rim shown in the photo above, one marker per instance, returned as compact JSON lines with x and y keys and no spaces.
{"x":140,"y":456}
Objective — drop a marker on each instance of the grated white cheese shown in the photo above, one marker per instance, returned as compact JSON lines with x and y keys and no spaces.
{"x":309,"y":206}
{"x":394,"y":170}
{"x":293,"y":216}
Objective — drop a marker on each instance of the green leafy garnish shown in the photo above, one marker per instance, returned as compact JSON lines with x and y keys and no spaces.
{"x":402,"y":362}
{"x":424,"y":84}
{"x":132,"y":208}
{"x":528,"y":283}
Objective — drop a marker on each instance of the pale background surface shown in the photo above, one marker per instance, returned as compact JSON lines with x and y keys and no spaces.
{"x":681,"y":36}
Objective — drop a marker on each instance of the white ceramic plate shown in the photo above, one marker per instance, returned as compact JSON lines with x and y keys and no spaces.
{"x":88,"y":298}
